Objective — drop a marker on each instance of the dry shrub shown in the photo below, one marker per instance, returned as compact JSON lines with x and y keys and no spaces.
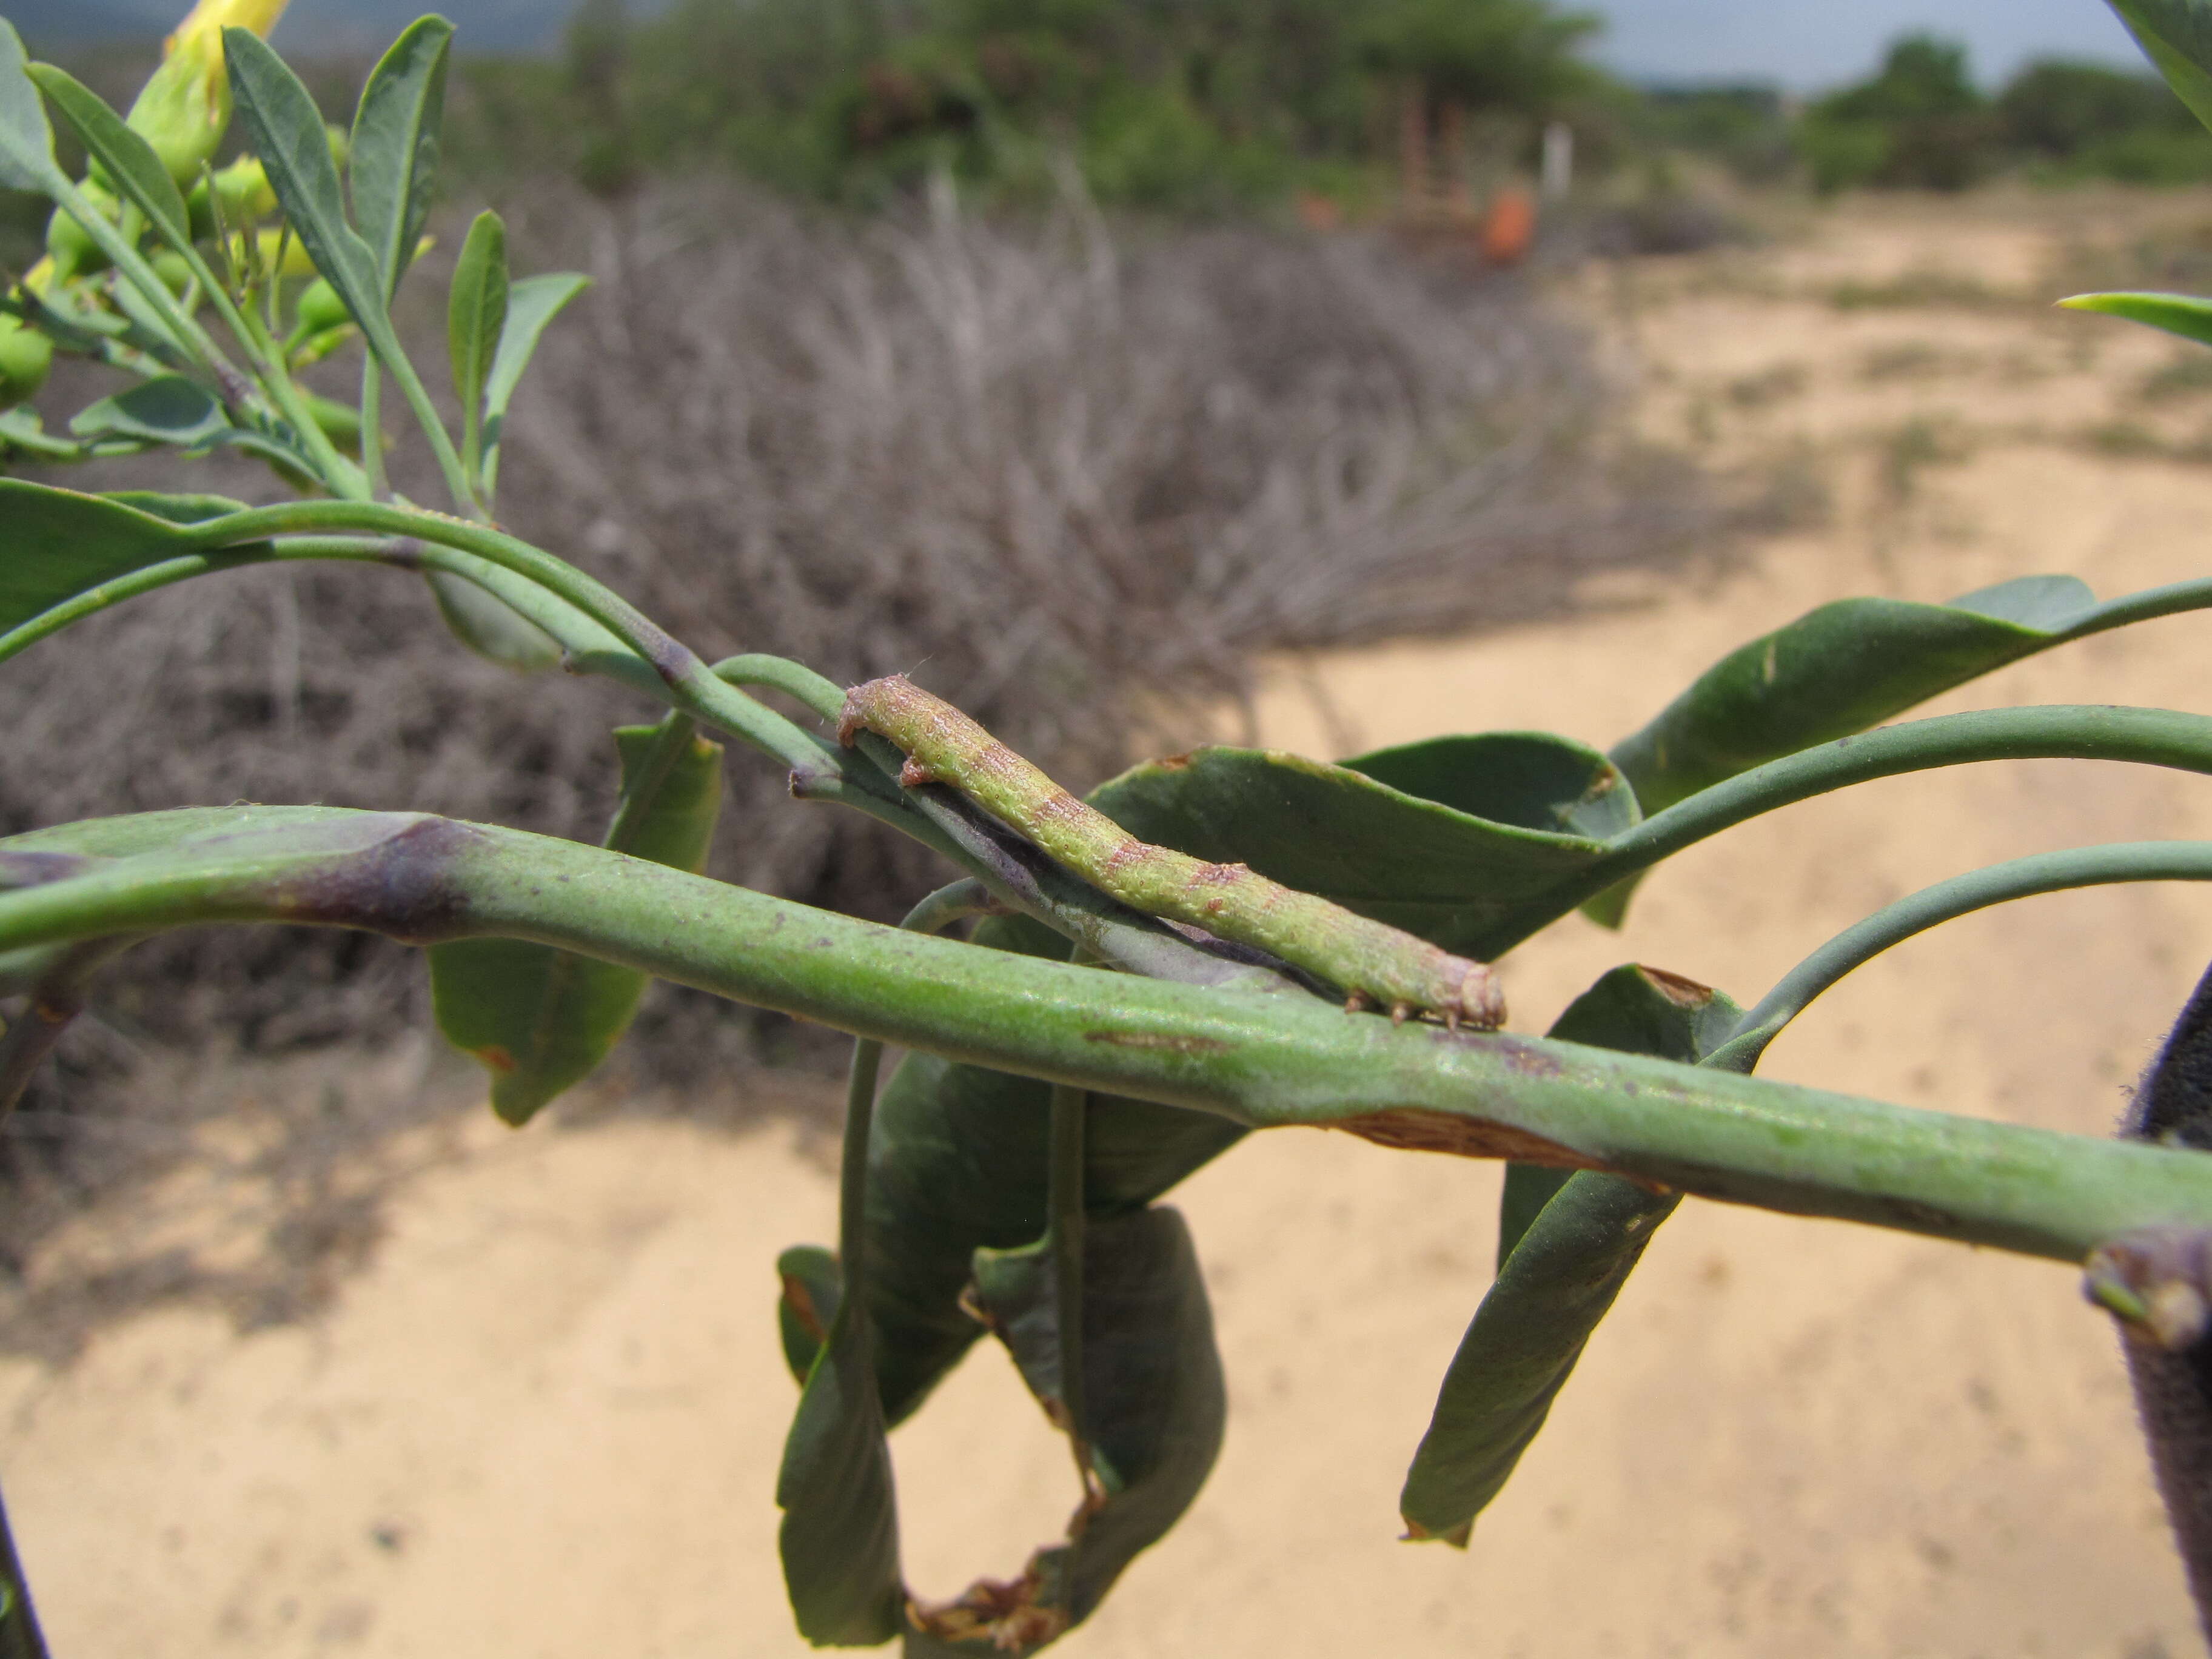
{"x":1073,"y":480}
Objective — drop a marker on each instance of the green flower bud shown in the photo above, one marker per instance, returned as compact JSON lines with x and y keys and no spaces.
{"x":170,"y":266}
{"x":240,"y":190}
{"x":70,"y":245}
{"x":319,"y":309}
{"x":25,"y":356}
{"x":184,"y":107}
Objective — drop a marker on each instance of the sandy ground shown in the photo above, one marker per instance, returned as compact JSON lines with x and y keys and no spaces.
{"x":542,"y":1421}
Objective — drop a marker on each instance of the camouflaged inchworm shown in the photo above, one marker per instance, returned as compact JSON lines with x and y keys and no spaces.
{"x":1374,"y":962}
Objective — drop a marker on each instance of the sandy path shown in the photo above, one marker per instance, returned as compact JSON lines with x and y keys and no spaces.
{"x":544,"y":1421}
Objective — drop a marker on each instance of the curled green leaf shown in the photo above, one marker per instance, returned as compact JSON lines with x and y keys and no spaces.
{"x":1560,"y":1271}
{"x":542,"y":1020}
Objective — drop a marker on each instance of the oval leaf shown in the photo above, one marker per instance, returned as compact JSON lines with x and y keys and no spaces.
{"x":490,"y":627}
{"x":542,"y":1020}
{"x":1559,"y":1275}
{"x":476,"y":317}
{"x":128,"y":161}
{"x":286,"y":132}
{"x":531,"y":304}
{"x":166,"y":410}
{"x":839,"y":1537}
{"x":1835,"y":670}
{"x":2177,"y":37}
{"x":57,"y":543}
{"x":26,"y":142}
{"x":392,"y":159}
{"x":1466,"y":855}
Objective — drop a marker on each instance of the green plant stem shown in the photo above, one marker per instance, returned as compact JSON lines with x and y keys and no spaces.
{"x":2171,"y":600}
{"x":1064,"y":1227}
{"x":132,"y":266}
{"x":340,"y":476}
{"x":371,"y":430}
{"x":2045,"y":872}
{"x":1263,"y":1062}
{"x":2150,"y":736}
{"x":687,"y":682}
{"x":399,"y":554}
{"x":818,"y":692}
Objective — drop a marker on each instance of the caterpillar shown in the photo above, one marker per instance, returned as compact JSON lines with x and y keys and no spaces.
{"x":1374,"y":965}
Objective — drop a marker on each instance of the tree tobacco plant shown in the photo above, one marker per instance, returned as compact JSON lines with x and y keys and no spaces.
{"x":1217,"y":943}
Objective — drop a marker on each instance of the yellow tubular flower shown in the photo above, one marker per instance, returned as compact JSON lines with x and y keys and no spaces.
{"x":183,"y":110}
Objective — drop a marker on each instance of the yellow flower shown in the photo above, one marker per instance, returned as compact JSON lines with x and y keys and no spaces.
{"x":183,"y":110}
{"x":211,"y":17}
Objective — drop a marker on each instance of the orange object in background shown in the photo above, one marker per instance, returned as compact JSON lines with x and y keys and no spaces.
{"x":1508,"y":226}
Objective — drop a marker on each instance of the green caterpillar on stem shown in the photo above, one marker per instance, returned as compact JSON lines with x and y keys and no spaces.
{"x":1373,"y":963}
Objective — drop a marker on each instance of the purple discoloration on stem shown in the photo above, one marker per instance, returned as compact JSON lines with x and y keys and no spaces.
{"x":37,"y":869}
{"x":400,"y":885}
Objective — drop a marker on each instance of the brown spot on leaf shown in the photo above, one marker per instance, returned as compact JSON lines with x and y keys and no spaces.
{"x":800,"y":1301}
{"x":494,"y":1055}
{"x":999,"y":1616}
{"x":1682,"y":992}
{"x":1418,"y":1129}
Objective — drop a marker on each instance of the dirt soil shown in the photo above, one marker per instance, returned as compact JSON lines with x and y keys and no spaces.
{"x":542,"y":1418}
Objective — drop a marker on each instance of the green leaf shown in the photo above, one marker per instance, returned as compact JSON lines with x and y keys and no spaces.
{"x":286,"y":130}
{"x":1472,"y":853}
{"x":57,"y":543}
{"x":177,"y":508}
{"x":491,"y":627}
{"x":813,"y":1288}
{"x":1154,"y":1409}
{"x":2177,"y":313}
{"x":166,"y":410}
{"x":540,"y":1019}
{"x":393,"y":160}
{"x":531,"y":304}
{"x":476,"y":317}
{"x":1833,"y":672}
{"x":2177,"y":37}
{"x":130,"y":161}
{"x":1559,"y":1277}
{"x":287,"y":133}
{"x":1633,"y":1010}
{"x":839,"y":1537}
{"x":957,"y":1163}
{"x":1462,"y":841}
{"x":26,"y":142}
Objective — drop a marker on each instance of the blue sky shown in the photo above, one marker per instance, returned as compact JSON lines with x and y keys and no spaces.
{"x":1801,"y":44}
{"x":1806,"y":44}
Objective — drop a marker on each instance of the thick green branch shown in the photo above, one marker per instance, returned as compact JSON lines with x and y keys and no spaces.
{"x":1265,"y":1061}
